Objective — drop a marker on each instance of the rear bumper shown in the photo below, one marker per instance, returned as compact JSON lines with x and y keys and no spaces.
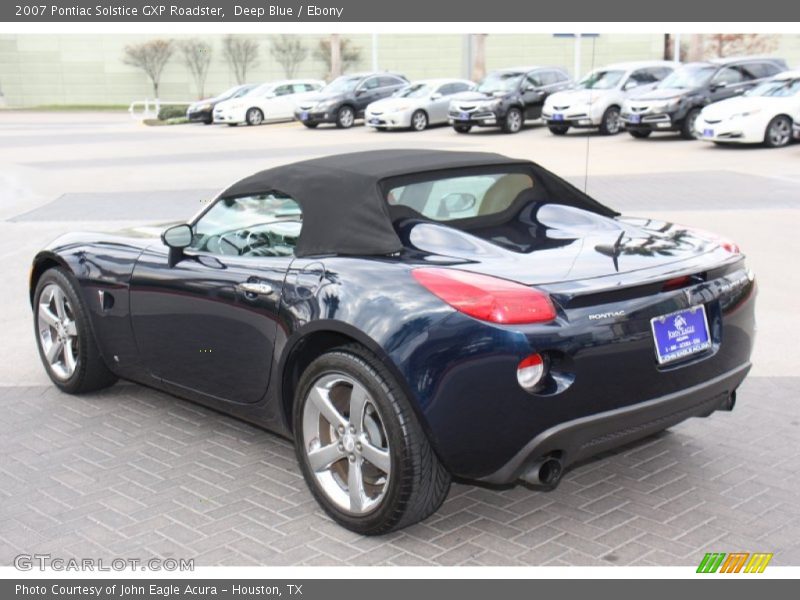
{"x":581,"y":438}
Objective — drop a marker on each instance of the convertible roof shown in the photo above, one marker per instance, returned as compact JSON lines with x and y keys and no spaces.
{"x":344,"y":209}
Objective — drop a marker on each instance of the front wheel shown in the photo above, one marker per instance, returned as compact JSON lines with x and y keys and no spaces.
{"x":345,"y":117}
{"x":254,"y":116}
{"x":64,"y":336}
{"x":419,"y":121}
{"x":310,"y":125}
{"x":640,"y":133}
{"x":610,"y":124}
{"x":513,"y":121}
{"x":462,"y":128}
{"x":778,"y":133}
{"x":687,"y":130}
{"x":558,"y":129}
{"x":361,"y":449}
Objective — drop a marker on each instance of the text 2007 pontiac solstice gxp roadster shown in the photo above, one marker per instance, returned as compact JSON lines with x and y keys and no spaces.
{"x":407,"y":317}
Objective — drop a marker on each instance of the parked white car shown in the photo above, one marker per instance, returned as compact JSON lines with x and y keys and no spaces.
{"x":269,"y":102}
{"x":596,"y":100}
{"x":416,"y":106}
{"x":767,"y":115}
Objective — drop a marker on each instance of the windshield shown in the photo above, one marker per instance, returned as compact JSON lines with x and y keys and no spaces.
{"x":777,"y":88}
{"x":415,"y":90}
{"x":500,"y":82}
{"x":341,"y":85}
{"x":688,"y":77}
{"x":260,"y":90}
{"x":601,"y":80}
{"x":235,"y":92}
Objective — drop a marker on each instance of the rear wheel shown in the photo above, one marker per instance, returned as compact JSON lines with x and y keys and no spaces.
{"x":687,"y":129}
{"x":611,"y":124}
{"x":361,"y":449}
{"x":779,"y":132}
{"x":345,"y":117}
{"x":640,"y":133}
{"x":462,"y":128}
{"x":513,"y":121}
{"x":254,"y":116}
{"x":419,"y":120}
{"x":64,"y":336}
{"x":558,"y":129}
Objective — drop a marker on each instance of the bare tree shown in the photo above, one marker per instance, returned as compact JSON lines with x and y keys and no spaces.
{"x":289,"y":52}
{"x":196,"y":55}
{"x":338,"y":54}
{"x":478,"y":66}
{"x":151,"y":57}
{"x":241,"y":54}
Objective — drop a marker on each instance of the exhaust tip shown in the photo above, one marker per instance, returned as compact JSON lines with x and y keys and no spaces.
{"x":730,"y":403}
{"x":545,"y":473}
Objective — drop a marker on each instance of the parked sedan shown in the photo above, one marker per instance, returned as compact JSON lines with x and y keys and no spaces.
{"x":676,"y":102}
{"x":345,"y":99}
{"x":203,"y":110}
{"x":416,"y":106}
{"x":764,"y":115}
{"x":268,"y":102}
{"x":597,"y":99}
{"x":408,"y":316}
{"x":506,"y":98}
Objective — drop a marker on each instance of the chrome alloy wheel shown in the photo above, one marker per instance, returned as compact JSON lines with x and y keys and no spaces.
{"x":254,"y":116}
{"x":514,"y":121}
{"x":345,"y":443}
{"x":613,"y":122}
{"x":419,"y":122}
{"x":58,"y":332}
{"x":346,"y":117}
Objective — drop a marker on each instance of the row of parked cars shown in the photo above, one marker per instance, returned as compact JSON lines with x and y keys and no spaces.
{"x":732,"y":100}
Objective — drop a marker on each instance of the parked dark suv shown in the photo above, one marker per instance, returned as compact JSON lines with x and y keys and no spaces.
{"x":675,"y":102}
{"x":344,"y":99}
{"x":506,"y":98}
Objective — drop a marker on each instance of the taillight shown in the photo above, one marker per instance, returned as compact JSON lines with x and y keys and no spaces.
{"x":487,"y":298}
{"x":677,"y":283}
{"x":530,"y":372}
{"x":723,"y":242}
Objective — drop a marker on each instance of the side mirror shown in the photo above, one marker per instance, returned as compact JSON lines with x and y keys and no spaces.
{"x":630,"y":84}
{"x":529,"y":88}
{"x":718,"y":85}
{"x":360,"y":91}
{"x":436,"y":96}
{"x":177,"y":236}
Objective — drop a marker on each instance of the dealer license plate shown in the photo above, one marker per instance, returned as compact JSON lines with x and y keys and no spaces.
{"x":636,"y":118}
{"x":304,"y":116}
{"x":374,"y":121}
{"x":558,"y":117}
{"x":464,"y":116}
{"x":708,"y":133}
{"x":680,"y":334}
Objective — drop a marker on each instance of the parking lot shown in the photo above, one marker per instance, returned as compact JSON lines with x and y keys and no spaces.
{"x":133,"y":472}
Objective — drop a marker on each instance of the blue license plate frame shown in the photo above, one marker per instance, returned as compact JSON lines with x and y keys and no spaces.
{"x":680,"y":334}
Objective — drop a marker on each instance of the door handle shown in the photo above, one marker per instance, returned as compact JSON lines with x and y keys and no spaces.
{"x":255,"y":288}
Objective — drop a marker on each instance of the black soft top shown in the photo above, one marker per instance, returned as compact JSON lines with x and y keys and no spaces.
{"x":345,"y":211}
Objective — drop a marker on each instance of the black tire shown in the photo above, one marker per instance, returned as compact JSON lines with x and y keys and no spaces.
{"x":419,"y":120}
{"x":91,"y":372}
{"x":208,"y":121}
{"x":254,"y":116}
{"x":345,"y":117}
{"x":514,"y":121}
{"x":687,"y":129}
{"x":610,"y":123}
{"x":779,"y":132}
{"x":640,"y":133}
{"x":310,"y":125}
{"x":418,"y":484}
{"x":462,"y":128}
{"x":558,"y":129}
{"x":232,"y":124}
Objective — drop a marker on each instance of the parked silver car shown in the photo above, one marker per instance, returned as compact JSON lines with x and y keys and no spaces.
{"x":417,"y":105}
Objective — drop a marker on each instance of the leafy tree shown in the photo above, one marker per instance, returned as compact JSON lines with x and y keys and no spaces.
{"x":338,"y":54}
{"x":151,"y":57}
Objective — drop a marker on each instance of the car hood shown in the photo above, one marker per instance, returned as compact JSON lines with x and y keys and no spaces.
{"x":743,"y":104}
{"x":576,"y":96}
{"x":317,"y":97}
{"x":565,"y":244}
{"x":476,"y":96}
{"x":664,"y":93}
{"x":391,"y":104}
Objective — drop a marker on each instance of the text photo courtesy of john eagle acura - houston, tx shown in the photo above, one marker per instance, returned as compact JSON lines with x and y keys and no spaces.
{"x":400,"y":299}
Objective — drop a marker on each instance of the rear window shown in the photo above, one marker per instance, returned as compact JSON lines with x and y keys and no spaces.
{"x":462,"y":197}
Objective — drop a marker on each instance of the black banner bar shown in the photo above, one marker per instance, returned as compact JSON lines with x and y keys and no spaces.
{"x":472,"y":11}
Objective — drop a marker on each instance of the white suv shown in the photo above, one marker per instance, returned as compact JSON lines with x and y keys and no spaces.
{"x":595,"y":101}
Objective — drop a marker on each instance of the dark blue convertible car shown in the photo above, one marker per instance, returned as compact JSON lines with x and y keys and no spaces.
{"x":408,"y":317}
